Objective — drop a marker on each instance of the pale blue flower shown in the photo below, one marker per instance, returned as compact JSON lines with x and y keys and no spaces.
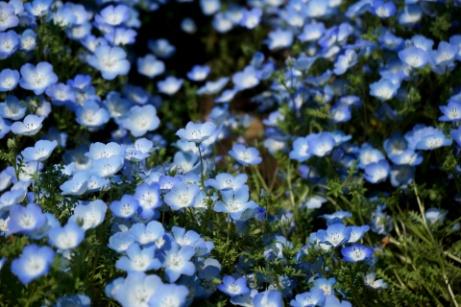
{"x":110,"y":61}
{"x":34,"y":262}
{"x":9,"y":79}
{"x":66,"y":237}
{"x":37,"y":78}
{"x":245,"y":155}
{"x":140,"y":120}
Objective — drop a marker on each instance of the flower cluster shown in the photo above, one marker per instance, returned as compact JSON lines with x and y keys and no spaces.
{"x":138,"y":171}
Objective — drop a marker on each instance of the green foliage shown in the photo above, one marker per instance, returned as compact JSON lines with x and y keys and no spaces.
{"x":421,"y":260}
{"x":48,"y":195}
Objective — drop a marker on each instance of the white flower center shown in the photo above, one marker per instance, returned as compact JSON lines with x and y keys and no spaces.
{"x":35,"y":265}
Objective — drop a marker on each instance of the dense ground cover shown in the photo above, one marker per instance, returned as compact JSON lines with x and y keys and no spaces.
{"x":214,"y":153}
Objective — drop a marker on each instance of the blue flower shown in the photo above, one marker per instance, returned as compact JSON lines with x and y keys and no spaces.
{"x":89,"y":215}
{"x":268,"y":298}
{"x":321,"y":144}
{"x":9,"y":79}
{"x":125,"y":207}
{"x":390,"y":40}
{"x":121,"y":241}
{"x":9,"y":43}
{"x":110,"y":61}
{"x":192,"y":239}
{"x":76,"y":185}
{"x":188,"y":25}
{"x":314,"y":297}
{"x":402,"y":176}
{"x":371,"y":281}
{"x":245,"y":155}
{"x":377,"y":171}
{"x":33,"y":263}
{"x":226,"y":96}
{"x":100,"y":151}
{"x":176,"y":262}
{"x":38,"y":7}
{"x":113,"y":15}
{"x":345,"y":61}
{"x":426,"y":138}
{"x":198,"y":73}
{"x":318,"y":8}
{"x":210,"y":7}
{"x":384,"y":9}
{"x":314,"y":202}
{"x":138,"y":259}
{"x":197,"y":132}
{"x":222,"y":22}
{"x":398,"y":152}
{"x":435,"y":215}
{"x":135,"y":290}
{"x":251,"y":18}
{"x":61,"y":93}
{"x":28,"y":40}
{"x":170,"y":85}
{"x":147,"y":234}
{"x":213,"y":87}
{"x":234,"y":286}
{"x":185,"y":163}
{"x":13,"y":196}
{"x":37,"y":78}
{"x":356,"y":252}
{"x":162,"y":48}
{"x":169,"y":295}
{"x":140,"y":150}
{"x":40,"y":152}
{"x":443,"y":58}
{"x":96,"y":183}
{"x":357,"y":232}
{"x":66,"y":237}
{"x":182,"y":195}
{"x":340,"y":113}
{"x":116,"y":105}
{"x":7,"y":177}
{"x":225,"y":181}
{"x":451,"y":112}
{"x":8,"y":18}
{"x":274,"y":145}
{"x":384,"y":89}
{"x":25,"y":219}
{"x":279,"y":39}
{"x":92,"y":115}
{"x":414,"y":57}
{"x":336,"y":234}
{"x":325,"y":285}
{"x":237,"y":203}
{"x":120,"y":36}
{"x":247,"y":78}
{"x":64,"y":15}
{"x":369,"y":155}
{"x":148,"y":196}
{"x":141,"y":120}
{"x":12,"y":108}
{"x":422,"y":42}
{"x":150,"y":66}
{"x":410,"y":15}
{"x":301,"y":150}
{"x":312,"y":31}
{"x":108,"y":166}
